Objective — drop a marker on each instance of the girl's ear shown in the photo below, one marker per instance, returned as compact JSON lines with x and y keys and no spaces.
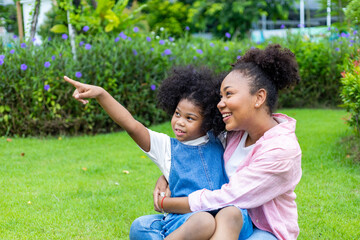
{"x":261,"y":95}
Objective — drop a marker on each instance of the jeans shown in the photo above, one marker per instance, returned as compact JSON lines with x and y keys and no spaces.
{"x":149,"y":228}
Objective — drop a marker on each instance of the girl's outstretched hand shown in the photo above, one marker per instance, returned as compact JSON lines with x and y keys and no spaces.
{"x":84,"y":91}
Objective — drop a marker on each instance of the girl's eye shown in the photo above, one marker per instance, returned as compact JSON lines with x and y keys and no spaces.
{"x":228,"y":93}
{"x":190,"y":118}
{"x":177,"y":114}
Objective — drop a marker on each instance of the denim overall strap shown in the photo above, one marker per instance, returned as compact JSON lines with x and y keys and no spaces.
{"x":196,"y":167}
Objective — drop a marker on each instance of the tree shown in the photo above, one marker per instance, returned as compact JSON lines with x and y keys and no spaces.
{"x":235,"y":16}
{"x":352,"y":12}
{"x":34,"y":19}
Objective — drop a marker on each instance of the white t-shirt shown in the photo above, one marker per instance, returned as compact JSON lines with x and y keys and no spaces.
{"x":160,"y":150}
{"x":239,"y":155}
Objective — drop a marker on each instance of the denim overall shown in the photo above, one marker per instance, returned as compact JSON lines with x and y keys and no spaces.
{"x":193,"y":168}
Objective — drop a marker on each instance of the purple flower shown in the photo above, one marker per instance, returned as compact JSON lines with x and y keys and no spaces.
{"x":352,"y":41}
{"x":47,"y":64}
{"x":49,"y":39}
{"x":78,"y":74}
{"x":151,"y":49}
{"x":239,"y":51}
{"x":337,"y":49}
{"x":1,"y":62}
{"x":136,"y":29}
{"x":195,"y":57}
{"x":86,"y":28}
{"x":47,"y":87}
{"x":329,"y":28}
{"x":53,"y":57}
{"x":2,"y":57}
{"x":211,"y":44}
{"x":153,"y":87}
{"x":34,"y":39}
{"x":228,"y":35}
{"x":87,"y":46}
{"x":238,"y":57}
{"x":340,"y":42}
{"x":350,"y":45}
{"x":355,"y":32}
{"x":161,"y":42}
{"x":282,"y":26}
{"x":226,"y":48}
{"x":81,"y":43}
{"x":64,"y":36}
{"x":187,"y":28}
{"x":12,"y":51}
{"x":23,"y":67}
{"x":23,"y":45}
{"x":60,"y":54}
{"x":15,"y":37}
{"x":199,"y":51}
{"x":129,"y":38}
{"x":300,"y":25}
{"x":122,"y":35}
{"x":135,"y":52}
{"x":344,"y":35}
{"x":252,"y":47}
{"x":167,"y":52}
{"x":148,"y":39}
{"x":171,"y":39}
{"x":117,"y":39}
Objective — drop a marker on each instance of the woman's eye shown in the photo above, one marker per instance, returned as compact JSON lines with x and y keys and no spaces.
{"x":228,"y":93}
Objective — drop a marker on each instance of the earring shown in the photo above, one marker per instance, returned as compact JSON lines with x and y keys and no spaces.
{"x":256,"y":105}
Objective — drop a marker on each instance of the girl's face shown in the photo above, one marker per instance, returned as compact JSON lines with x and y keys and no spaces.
{"x":186,"y":121}
{"x":236,"y":104}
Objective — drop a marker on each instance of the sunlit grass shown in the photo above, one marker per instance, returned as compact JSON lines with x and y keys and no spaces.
{"x":78,"y":187}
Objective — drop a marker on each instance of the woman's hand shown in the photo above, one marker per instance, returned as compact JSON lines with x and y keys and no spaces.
{"x":83,"y":90}
{"x":161,"y":190}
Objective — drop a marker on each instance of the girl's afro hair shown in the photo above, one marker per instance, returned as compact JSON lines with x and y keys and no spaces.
{"x":199,"y":85}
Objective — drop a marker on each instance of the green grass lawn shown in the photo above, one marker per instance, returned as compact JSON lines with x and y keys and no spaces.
{"x":79,"y":188}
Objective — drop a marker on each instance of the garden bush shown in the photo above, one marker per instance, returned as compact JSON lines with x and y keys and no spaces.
{"x":34,"y":100}
{"x":350,"y":91}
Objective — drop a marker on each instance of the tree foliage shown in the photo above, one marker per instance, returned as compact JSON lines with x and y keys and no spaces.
{"x":235,"y":16}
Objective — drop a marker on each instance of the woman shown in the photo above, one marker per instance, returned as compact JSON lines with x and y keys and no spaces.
{"x":262,"y":155}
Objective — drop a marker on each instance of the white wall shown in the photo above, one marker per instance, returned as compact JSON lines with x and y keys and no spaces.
{"x":28,"y":7}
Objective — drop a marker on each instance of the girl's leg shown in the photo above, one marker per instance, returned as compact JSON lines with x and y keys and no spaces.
{"x":200,"y":225}
{"x":261,"y":235}
{"x":229,"y":222}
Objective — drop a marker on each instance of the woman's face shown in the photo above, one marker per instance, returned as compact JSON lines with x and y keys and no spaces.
{"x":236,"y":104}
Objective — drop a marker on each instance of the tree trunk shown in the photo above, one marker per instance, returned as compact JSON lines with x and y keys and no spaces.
{"x":34,"y":20}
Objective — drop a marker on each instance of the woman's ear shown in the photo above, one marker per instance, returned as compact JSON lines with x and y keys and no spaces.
{"x":261,"y":95}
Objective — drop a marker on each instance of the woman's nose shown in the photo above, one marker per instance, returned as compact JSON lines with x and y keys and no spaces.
{"x":221,"y":104}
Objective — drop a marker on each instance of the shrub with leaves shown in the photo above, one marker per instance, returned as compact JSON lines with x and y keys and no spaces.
{"x":131,"y":65}
{"x":350,"y":92}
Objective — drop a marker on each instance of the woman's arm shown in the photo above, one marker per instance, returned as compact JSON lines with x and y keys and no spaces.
{"x":116,"y":111}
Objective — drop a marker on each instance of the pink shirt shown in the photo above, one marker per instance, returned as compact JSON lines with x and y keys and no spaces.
{"x":264,"y":182}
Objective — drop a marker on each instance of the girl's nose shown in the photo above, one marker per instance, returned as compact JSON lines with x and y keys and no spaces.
{"x":180,"y":122}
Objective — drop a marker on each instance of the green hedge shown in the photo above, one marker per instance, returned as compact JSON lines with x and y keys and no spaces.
{"x":36,"y":101}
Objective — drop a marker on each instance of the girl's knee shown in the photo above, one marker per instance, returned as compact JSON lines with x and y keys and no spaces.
{"x":204,"y":220}
{"x":231,"y":215}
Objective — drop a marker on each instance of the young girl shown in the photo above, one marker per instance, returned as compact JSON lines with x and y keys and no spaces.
{"x":191,"y":161}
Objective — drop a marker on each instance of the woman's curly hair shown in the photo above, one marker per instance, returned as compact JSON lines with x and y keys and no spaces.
{"x":199,"y":85}
{"x":273,"y":69}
